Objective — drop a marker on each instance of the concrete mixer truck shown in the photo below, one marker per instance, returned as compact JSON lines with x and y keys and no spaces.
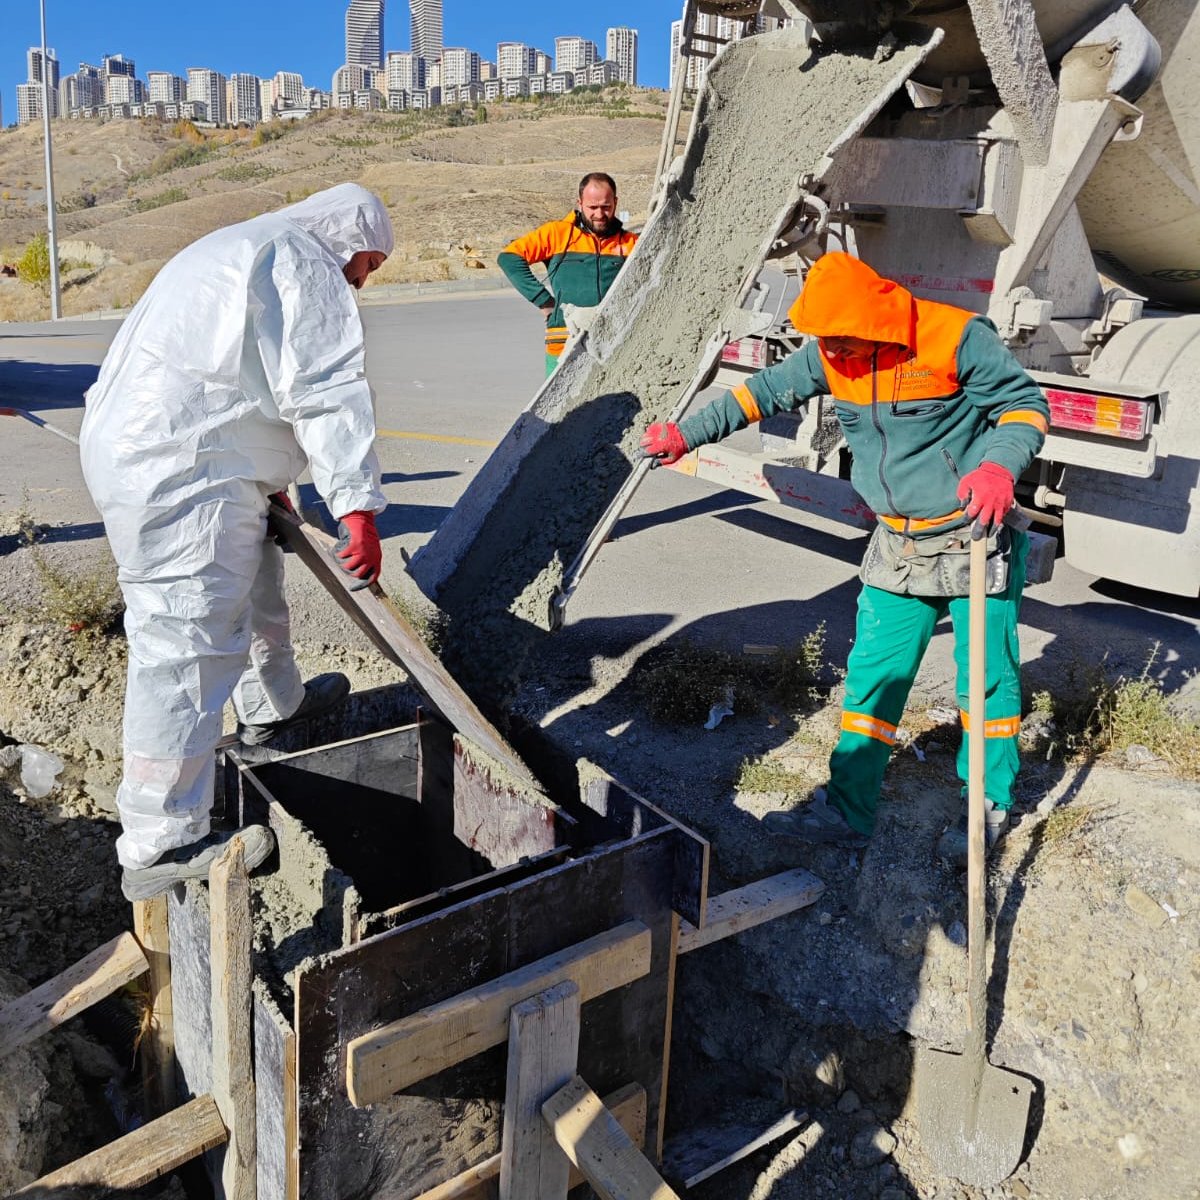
{"x":1037,"y":162}
{"x":1042,"y":167}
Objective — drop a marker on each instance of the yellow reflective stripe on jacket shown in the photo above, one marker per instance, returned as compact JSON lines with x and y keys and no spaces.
{"x":1025,"y":416}
{"x":869,"y":726}
{"x":1000,"y":727}
{"x":916,"y":524}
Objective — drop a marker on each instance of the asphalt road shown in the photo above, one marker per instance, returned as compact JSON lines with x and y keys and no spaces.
{"x":451,"y":375}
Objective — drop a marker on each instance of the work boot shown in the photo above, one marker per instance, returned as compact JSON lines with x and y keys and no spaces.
{"x":818,"y":822}
{"x":320,"y":694}
{"x":193,"y":861}
{"x":952,"y":845}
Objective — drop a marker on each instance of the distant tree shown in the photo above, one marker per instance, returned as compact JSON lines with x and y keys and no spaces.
{"x":480,"y":114}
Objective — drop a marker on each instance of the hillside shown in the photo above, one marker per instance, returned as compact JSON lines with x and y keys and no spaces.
{"x":133,"y":193}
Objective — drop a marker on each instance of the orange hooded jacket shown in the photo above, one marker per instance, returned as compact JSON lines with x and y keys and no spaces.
{"x":940,"y":393}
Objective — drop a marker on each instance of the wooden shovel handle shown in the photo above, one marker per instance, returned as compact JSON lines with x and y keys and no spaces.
{"x":976,"y":716}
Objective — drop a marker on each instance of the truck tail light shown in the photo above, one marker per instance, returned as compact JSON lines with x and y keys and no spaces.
{"x":1109,"y":416}
{"x":748,"y":352}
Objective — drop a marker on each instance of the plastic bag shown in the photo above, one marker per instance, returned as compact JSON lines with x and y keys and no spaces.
{"x":39,"y":771}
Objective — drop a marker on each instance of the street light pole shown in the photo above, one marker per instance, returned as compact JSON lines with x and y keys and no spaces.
{"x":51,"y":216}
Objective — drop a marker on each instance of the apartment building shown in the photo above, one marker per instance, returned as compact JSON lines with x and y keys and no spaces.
{"x":621,"y":47}
{"x":513,"y":60}
{"x":574,"y":53}
{"x":426,"y":28}
{"x":459,"y":66}
{"x":364,"y":33}
{"x":206,"y":88}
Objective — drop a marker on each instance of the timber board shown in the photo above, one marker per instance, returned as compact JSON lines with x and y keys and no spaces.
{"x":414,"y":1140}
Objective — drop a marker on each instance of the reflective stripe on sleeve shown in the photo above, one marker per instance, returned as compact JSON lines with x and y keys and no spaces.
{"x":747,"y":402}
{"x":1025,"y":416}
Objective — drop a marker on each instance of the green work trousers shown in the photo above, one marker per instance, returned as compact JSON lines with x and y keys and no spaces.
{"x":551,"y":363}
{"x":889,"y":642}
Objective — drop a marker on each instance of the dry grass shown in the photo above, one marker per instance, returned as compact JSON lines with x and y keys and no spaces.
{"x":1095,"y":712}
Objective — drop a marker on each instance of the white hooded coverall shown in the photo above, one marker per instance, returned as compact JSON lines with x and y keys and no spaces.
{"x":242,"y":364}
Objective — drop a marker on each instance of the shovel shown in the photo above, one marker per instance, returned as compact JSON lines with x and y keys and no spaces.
{"x":973,"y":1115}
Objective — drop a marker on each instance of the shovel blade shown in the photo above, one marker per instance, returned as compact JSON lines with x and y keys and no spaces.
{"x":976,"y":1143}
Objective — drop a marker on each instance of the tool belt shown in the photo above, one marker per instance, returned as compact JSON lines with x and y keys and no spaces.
{"x":938,"y":564}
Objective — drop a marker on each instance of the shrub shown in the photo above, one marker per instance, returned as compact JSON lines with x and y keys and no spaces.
{"x":34,"y":265}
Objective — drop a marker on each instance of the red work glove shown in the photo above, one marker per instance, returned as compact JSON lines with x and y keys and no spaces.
{"x":987,"y":492}
{"x":358,"y":551}
{"x":664,"y":443}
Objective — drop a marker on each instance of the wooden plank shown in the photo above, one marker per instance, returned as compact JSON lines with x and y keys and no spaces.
{"x":701,"y":1153}
{"x":481,"y":1182}
{"x":754,"y":904}
{"x":142,"y":1156}
{"x":232,"y":1000}
{"x":496,"y":815}
{"x":672,"y":963}
{"x":275,"y":1099}
{"x":543,"y":1055}
{"x":591,"y":1138}
{"x":93,"y":977}
{"x":381,"y":1063}
{"x":157,"y":1047}
{"x":371,"y":610}
{"x":400,"y":1147}
{"x":630,"y":814}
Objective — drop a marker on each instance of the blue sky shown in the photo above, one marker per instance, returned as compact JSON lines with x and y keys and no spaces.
{"x":234,"y":36}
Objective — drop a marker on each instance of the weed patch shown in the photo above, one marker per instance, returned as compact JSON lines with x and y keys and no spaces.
{"x":83,"y":604}
{"x":1094,"y":712}
{"x":760,"y":775}
{"x":680,"y":683}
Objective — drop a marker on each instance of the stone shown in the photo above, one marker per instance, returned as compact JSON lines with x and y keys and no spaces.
{"x":1145,"y":906}
{"x":1020,"y":1189}
{"x":957,"y":933}
{"x":1131,"y":1148}
{"x":849,"y":1102}
{"x":871,"y":1146}
{"x":1140,"y":756}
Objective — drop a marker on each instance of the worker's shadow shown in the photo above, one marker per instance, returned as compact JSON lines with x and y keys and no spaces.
{"x":38,"y":386}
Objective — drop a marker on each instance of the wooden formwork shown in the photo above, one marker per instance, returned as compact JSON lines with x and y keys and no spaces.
{"x":464,"y":966}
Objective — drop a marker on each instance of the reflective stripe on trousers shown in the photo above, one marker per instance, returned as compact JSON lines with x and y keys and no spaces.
{"x":891,"y":635}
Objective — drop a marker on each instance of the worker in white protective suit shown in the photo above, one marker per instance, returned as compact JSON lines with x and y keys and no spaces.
{"x":241,"y":365}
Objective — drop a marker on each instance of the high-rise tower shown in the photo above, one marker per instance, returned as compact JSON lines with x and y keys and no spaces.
{"x":426,"y":28}
{"x":364,"y":33}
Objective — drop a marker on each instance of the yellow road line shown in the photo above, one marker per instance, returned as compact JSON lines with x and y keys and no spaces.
{"x":432,"y":437}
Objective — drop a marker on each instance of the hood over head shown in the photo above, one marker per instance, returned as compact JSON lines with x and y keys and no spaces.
{"x":344,"y":219}
{"x":843,"y":297}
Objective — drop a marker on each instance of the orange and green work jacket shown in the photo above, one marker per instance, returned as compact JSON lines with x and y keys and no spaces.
{"x":940,"y":394}
{"x":580,"y":268}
